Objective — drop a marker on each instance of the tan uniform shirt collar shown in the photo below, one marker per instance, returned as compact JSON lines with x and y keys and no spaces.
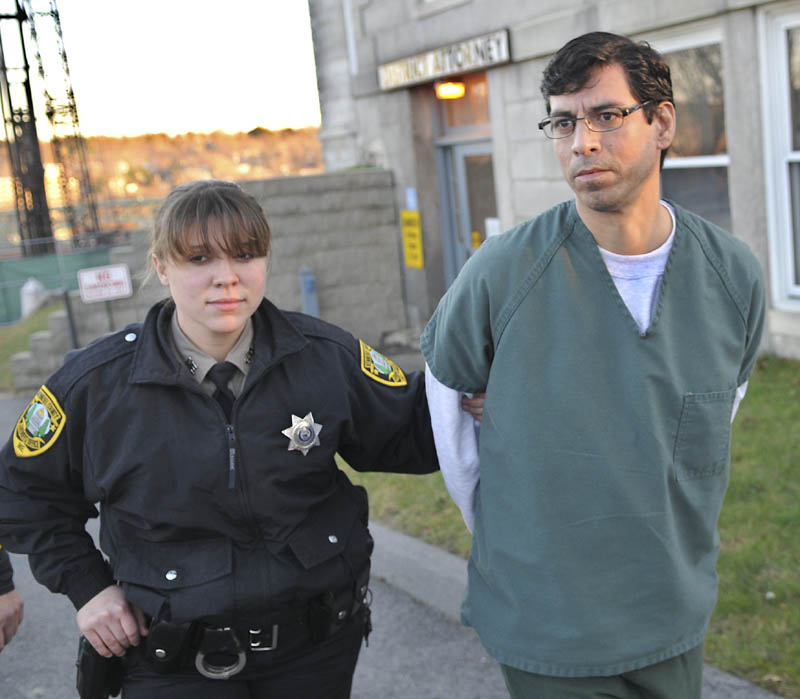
{"x":200,"y":363}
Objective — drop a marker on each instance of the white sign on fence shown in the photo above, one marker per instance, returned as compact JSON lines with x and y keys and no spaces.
{"x":105,"y":283}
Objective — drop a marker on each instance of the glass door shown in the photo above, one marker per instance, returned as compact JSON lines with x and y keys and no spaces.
{"x":472,"y":201}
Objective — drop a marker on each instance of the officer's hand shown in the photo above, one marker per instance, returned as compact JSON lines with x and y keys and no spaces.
{"x":110,"y":624}
{"x":474,"y":405}
{"x":11,"y":608}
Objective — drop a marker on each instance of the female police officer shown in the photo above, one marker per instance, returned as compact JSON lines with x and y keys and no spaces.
{"x":237,"y":549}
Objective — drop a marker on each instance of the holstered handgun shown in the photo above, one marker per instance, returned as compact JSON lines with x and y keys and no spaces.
{"x":97,"y":677}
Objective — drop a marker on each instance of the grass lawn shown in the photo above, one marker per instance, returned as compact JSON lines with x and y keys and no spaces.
{"x":755,"y":632}
{"x":14,"y":338}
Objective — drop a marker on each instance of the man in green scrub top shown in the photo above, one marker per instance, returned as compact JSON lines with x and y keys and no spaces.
{"x":614,"y":336}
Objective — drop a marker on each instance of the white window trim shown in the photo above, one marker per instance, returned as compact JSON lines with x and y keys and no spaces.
{"x":679,"y":38}
{"x":723,"y":160}
{"x":773,"y":23}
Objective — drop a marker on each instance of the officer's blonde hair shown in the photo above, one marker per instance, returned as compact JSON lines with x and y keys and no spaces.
{"x":220,"y":213}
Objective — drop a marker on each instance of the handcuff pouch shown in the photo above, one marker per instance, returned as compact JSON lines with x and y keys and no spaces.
{"x":166,"y":646}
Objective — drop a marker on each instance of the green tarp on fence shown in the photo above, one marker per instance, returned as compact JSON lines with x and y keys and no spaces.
{"x":55,"y":272}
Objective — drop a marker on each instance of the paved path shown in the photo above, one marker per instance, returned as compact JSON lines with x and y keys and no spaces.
{"x":413,"y":651}
{"x":417,"y":649}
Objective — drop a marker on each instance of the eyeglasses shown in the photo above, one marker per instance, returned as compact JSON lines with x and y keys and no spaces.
{"x":608,"y":119}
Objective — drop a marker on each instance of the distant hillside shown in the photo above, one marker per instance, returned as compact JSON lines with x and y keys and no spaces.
{"x":145,"y":167}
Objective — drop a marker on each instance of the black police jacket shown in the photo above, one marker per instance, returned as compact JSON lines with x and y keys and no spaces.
{"x":198,"y":517}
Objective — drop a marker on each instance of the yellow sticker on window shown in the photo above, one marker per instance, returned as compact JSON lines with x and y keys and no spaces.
{"x":380,"y":368}
{"x":39,"y":425}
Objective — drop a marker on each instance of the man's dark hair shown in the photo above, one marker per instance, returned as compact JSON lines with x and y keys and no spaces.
{"x":570,"y":69}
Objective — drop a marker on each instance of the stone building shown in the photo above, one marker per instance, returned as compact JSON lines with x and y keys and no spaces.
{"x":477,"y":165}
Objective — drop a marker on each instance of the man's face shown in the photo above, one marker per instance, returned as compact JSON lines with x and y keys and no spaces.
{"x":611,"y":171}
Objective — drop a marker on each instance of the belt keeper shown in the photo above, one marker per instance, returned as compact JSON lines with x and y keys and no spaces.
{"x":256,"y":641}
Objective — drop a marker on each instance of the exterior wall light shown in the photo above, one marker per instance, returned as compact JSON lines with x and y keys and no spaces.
{"x":451,"y":90}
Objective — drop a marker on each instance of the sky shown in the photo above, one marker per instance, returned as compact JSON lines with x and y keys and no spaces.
{"x":173,"y":66}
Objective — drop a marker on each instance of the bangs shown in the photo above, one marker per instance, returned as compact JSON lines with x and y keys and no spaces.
{"x":225,"y":233}
{"x":210,"y":215}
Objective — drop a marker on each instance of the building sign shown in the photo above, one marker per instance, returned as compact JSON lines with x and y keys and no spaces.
{"x":104,"y":283}
{"x":472,"y":54}
{"x":412,"y":238}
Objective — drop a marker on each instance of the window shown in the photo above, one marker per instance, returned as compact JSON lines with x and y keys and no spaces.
{"x":472,"y":108}
{"x":696,"y":169}
{"x":780,"y":82}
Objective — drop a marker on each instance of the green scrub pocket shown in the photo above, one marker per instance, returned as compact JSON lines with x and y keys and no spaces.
{"x":703,"y":442}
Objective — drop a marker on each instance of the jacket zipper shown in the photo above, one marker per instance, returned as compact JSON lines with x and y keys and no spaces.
{"x":231,"y":457}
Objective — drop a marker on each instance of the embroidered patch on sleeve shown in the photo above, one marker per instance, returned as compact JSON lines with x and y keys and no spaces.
{"x":39,"y":425}
{"x":380,"y":368}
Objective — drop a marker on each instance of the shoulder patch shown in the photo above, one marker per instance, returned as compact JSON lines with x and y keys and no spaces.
{"x":39,"y":425}
{"x":380,"y":368}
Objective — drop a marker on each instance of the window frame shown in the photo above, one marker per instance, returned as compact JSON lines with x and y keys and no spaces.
{"x":421,"y":9}
{"x":773,"y":23}
{"x":705,"y":34}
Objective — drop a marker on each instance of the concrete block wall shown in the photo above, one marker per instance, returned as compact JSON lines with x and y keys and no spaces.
{"x":343,"y":226}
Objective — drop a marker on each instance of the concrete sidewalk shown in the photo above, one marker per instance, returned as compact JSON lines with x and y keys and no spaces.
{"x":437,"y":578}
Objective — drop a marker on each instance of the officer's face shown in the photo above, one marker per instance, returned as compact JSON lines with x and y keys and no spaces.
{"x":612,"y":171}
{"x":214,"y":293}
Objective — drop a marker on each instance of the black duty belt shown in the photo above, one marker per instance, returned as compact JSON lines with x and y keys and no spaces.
{"x":219,"y":650}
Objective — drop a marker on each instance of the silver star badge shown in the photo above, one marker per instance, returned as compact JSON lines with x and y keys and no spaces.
{"x":303,"y":434}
